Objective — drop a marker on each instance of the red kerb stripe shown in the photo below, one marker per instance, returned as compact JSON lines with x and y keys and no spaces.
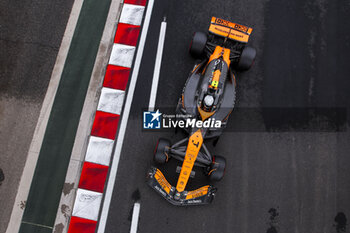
{"x":127,"y":34}
{"x":93,"y":177}
{"x":136,"y":2}
{"x":105,"y":125}
{"x":116,"y":77}
{"x":79,"y":225}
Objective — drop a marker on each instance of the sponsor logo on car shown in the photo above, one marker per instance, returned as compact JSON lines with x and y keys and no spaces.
{"x":194,"y":201}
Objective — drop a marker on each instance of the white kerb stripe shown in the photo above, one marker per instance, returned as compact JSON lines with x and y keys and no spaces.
{"x":135,"y":218}
{"x":124,"y":121}
{"x":122,"y":55}
{"x":87,"y":204}
{"x":156,"y":72}
{"x":132,"y":14}
{"x":99,"y":150}
{"x":111,"y":100}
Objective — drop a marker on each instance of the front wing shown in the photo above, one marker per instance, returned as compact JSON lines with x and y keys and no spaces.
{"x":201,"y":196}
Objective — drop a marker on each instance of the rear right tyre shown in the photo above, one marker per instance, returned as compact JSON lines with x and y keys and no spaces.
{"x":198,"y":43}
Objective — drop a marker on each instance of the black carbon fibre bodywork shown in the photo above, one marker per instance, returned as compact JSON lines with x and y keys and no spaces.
{"x":196,"y":84}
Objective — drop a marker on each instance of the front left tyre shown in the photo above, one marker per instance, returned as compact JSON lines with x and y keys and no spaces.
{"x":217,"y":168}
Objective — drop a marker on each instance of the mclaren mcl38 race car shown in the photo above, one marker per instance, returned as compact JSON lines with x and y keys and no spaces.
{"x":209,"y":93}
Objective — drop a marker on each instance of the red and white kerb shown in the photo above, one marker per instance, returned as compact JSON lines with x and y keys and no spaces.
{"x":97,"y":159}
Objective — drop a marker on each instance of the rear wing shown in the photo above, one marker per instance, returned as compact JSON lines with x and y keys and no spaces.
{"x":230,"y":30}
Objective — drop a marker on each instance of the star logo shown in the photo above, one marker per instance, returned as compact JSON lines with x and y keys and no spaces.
{"x":151,"y":120}
{"x":156,"y":115}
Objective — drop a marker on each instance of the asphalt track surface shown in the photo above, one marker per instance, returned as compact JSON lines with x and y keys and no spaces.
{"x":288,"y":165}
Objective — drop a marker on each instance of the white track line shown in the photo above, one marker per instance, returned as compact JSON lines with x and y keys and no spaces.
{"x":156,"y":72}
{"x":135,"y":218}
{"x":124,"y":121}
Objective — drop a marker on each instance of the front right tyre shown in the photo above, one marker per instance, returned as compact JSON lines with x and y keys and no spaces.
{"x":161,"y":155}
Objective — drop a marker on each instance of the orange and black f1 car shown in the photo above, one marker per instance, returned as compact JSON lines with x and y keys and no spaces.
{"x":209,"y":93}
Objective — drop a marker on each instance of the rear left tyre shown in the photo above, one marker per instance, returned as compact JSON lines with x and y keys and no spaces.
{"x":247,"y":58}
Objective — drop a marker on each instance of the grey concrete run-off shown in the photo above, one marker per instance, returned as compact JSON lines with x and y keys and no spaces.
{"x":30,"y":37}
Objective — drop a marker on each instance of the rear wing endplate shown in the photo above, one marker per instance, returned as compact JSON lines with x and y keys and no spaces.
{"x":230,"y":30}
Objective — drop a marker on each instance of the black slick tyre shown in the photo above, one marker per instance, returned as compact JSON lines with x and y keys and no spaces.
{"x":217,"y":168}
{"x":161,"y":151}
{"x":247,"y":58}
{"x":198,"y":43}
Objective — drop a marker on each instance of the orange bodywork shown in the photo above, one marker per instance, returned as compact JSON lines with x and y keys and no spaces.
{"x":221,"y":51}
{"x":223,"y":28}
{"x":225,"y":54}
{"x":162,"y":181}
{"x":204,"y":115}
{"x":193,"y":147}
{"x":195,"y":68}
{"x":198,"y":192}
{"x":215,"y":80}
{"x":232,"y":30}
